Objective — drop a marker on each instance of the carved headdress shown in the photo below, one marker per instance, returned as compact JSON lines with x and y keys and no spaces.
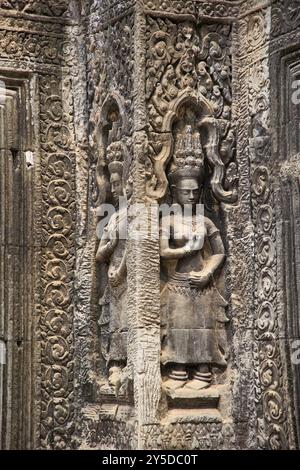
{"x":115,"y":158}
{"x":188,"y":160}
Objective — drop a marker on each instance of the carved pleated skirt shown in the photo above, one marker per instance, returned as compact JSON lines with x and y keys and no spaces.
{"x":192,"y":325}
{"x":113,"y":324}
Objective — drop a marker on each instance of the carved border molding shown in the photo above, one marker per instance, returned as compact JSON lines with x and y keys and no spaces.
{"x":108,"y":12}
{"x":285,"y":119}
{"x":52,"y":8}
{"x":30,"y":25}
{"x":58,"y":12}
{"x":18,"y":261}
{"x":198,"y":9}
{"x":272,"y":425}
{"x":269,"y":371}
{"x":58,"y":264}
{"x":49,"y":54}
{"x":270,"y":360}
{"x":285,"y":16}
{"x":219,"y":10}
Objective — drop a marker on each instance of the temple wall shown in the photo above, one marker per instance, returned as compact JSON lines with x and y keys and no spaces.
{"x":91,"y":87}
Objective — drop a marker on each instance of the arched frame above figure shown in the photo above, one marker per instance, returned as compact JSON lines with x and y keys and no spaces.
{"x":111,"y":124}
{"x":210,"y":132}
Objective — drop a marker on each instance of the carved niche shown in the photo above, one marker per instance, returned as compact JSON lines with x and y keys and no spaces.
{"x":192,"y":151}
{"x":192,"y":308}
{"x":114,"y":188}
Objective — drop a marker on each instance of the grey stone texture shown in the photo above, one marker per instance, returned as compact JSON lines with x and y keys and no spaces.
{"x":156,"y":342}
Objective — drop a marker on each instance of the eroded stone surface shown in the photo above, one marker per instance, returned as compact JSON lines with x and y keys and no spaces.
{"x":150,"y":343}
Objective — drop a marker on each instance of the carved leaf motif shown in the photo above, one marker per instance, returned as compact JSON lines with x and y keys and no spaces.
{"x":59,"y":166}
{"x":261,"y":183}
{"x":56,"y":378}
{"x":273,"y":402}
{"x":269,"y":374}
{"x":57,"y":270}
{"x":277,"y":440}
{"x":57,"y":294}
{"x":266,"y":284}
{"x":57,"y":350}
{"x":266,"y":318}
{"x":57,"y":321}
{"x":59,"y":192}
{"x":59,"y":137}
{"x":266,"y":251}
{"x":265,"y":218}
{"x":61,"y":410}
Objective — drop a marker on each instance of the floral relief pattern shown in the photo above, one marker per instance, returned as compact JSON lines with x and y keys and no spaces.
{"x":57,"y":267}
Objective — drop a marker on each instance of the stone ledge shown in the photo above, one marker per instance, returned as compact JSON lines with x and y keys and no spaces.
{"x":195,"y":416}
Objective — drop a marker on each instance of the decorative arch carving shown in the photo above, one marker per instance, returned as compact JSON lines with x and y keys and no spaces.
{"x":210,"y":128}
{"x":111,"y":124}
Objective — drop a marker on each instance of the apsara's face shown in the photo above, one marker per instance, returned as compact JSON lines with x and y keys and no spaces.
{"x":187,"y":192}
{"x":116,"y":186}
